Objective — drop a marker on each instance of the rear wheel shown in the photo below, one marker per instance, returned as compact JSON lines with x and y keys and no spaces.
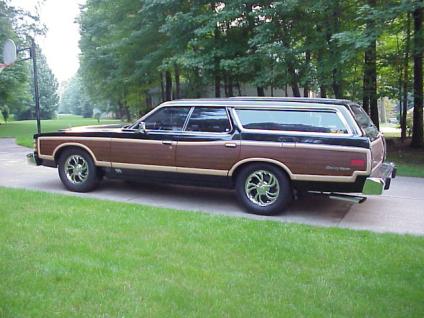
{"x":77,"y":170}
{"x":263,"y":189}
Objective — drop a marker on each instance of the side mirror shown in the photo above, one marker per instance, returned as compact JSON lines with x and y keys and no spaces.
{"x":142,"y":127}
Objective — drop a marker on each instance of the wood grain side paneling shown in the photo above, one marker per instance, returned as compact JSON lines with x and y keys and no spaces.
{"x":309,"y":161}
{"x":100,"y":148}
{"x":377,"y":152}
{"x":213,"y":155}
{"x":142,"y":152}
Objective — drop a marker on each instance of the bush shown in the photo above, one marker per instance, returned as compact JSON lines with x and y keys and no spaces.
{"x":5,"y":113}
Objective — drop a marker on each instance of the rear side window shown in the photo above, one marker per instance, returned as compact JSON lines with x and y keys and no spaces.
{"x":319,"y":121}
{"x":209,"y":119}
{"x":364,"y":121}
{"x":167,"y":118}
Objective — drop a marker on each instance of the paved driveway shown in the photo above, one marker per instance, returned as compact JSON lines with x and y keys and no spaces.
{"x":399,"y":210}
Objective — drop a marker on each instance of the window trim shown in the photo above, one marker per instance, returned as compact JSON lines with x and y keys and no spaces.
{"x":291,"y":132}
{"x":206,"y":132}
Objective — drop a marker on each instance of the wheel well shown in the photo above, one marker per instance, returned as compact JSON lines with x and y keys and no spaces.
{"x":246,"y":164}
{"x":59,"y":152}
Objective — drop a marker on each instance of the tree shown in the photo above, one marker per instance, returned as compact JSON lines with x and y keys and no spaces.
{"x":48,"y":88}
{"x":417,"y":130}
{"x":5,"y":113}
{"x":75,"y":99}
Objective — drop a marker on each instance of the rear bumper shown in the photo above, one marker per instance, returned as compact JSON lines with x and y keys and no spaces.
{"x":380,"y":179}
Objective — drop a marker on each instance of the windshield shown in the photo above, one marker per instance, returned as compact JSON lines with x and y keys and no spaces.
{"x":364,"y":121}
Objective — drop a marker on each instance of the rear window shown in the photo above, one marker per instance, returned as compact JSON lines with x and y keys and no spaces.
{"x":364,"y":121}
{"x":318,"y":121}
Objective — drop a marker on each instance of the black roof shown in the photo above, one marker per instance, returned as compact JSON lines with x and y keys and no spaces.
{"x":295,"y":99}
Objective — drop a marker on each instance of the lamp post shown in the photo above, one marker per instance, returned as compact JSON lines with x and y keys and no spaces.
{"x":33,"y":56}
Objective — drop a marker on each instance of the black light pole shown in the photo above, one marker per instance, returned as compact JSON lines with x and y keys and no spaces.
{"x":33,"y":55}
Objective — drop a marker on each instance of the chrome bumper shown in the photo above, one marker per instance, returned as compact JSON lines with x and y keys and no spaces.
{"x":380,"y":179}
{"x":32,"y":159}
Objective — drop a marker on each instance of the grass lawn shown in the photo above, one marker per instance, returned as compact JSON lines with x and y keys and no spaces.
{"x":410,"y":162}
{"x":70,"y":257}
{"x":24,"y":130}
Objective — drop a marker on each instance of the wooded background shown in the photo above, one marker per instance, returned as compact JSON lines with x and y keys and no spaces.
{"x":361,"y":50}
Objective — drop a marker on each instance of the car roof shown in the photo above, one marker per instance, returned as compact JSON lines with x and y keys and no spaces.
{"x":257,"y":101}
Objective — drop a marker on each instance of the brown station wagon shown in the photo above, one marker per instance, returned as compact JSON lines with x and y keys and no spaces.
{"x":268,"y":149}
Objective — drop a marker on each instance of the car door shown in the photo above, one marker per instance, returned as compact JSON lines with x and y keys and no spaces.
{"x":153,"y":149}
{"x":209,"y":143}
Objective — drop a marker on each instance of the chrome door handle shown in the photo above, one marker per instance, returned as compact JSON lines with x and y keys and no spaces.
{"x":167,"y":142}
{"x":230,"y":145}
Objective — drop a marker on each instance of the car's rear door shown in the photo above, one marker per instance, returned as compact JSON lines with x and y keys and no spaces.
{"x":209,"y":144}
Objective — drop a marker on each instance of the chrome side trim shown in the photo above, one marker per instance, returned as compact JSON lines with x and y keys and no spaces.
{"x":208,"y":143}
{"x":120,"y":165}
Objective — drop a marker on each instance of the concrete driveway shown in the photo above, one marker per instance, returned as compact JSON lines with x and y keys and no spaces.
{"x":399,"y":210}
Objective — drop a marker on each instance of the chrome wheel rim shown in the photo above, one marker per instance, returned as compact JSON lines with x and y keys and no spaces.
{"x":262,"y":187}
{"x":76,"y":169}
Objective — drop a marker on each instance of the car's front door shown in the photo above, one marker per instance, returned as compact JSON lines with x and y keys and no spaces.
{"x":153,"y":149}
{"x":209,"y":144}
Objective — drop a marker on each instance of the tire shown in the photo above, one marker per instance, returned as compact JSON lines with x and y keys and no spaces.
{"x":86,"y":177}
{"x":275,"y":191}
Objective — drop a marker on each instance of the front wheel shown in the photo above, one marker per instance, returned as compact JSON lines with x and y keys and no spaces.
{"x":263,"y":189}
{"x":77,"y":170}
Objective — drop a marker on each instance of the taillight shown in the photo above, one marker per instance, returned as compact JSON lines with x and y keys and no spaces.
{"x":359,"y":163}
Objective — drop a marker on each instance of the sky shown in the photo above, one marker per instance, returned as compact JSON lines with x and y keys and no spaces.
{"x":60,"y":45}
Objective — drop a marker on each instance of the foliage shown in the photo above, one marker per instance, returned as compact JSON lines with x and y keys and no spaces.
{"x":16,"y":84}
{"x":5,"y":112}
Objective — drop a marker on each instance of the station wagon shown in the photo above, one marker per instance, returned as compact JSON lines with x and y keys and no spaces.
{"x":267,"y":149}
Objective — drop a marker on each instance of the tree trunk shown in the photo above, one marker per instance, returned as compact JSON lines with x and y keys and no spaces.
{"x":260,"y":91}
{"x":162,"y":87}
{"x":217,"y":71}
{"x":226,"y":85}
{"x":337,"y":87}
{"x":404,"y":106}
{"x":293,"y":80}
{"x":238,"y":88}
{"x":417,"y":131}
{"x":333,"y":50}
{"x":127,"y":113}
{"x":323,"y":91}
{"x":217,"y":85}
{"x":370,"y":74}
{"x":230,"y":87}
{"x":373,"y":86}
{"x":177,"y":82}
{"x":168,"y":86}
{"x":307,"y":62}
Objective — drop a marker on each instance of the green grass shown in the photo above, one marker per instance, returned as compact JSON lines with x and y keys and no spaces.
{"x":410,"y":161}
{"x":24,"y":130}
{"x":70,"y":257}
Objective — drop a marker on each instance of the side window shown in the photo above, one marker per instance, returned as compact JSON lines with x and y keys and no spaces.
{"x":167,"y":118}
{"x":209,"y":119}
{"x":321,"y":121}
